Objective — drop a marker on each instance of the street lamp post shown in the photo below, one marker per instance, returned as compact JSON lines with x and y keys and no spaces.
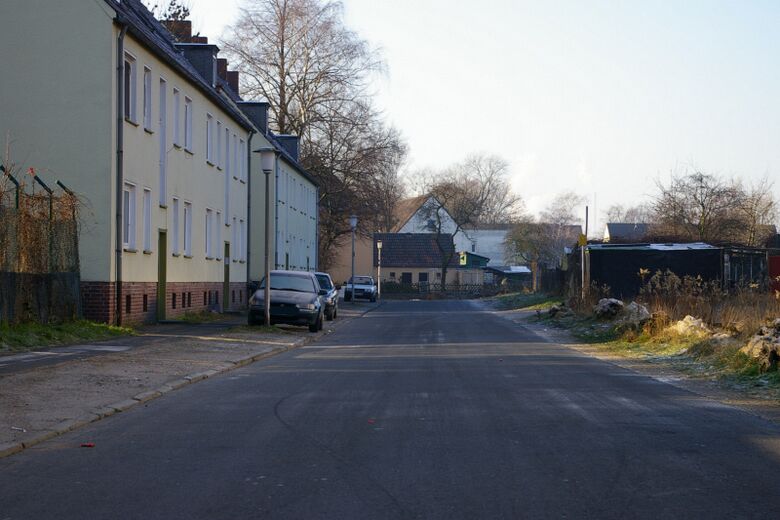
{"x":379,"y":269}
{"x":267,"y":163}
{"x":353,"y":225}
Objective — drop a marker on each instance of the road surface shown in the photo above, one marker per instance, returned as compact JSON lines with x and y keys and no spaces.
{"x":416,"y":410}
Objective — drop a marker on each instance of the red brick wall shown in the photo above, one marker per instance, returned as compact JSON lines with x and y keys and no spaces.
{"x":98,"y":299}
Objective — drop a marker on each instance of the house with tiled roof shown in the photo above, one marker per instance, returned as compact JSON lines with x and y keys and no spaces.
{"x":149,"y":128}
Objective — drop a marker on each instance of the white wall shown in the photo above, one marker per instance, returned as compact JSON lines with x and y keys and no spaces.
{"x":296,"y":220}
{"x":418,"y":223}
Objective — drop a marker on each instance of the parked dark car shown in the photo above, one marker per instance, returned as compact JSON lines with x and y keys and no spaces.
{"x":330,"y":295}
{"x":295,"y":300}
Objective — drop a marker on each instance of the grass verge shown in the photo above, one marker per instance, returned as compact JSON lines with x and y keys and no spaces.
{"x":529,"y":301}
{"x":29,"y":336}
{"x":200,"y":317}
{"x":259,"y":329}
{"x":693,"y":356}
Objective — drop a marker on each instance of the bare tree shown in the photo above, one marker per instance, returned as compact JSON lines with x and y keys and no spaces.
{"x":641,"y":213}
{"x":758,"y":212}
{"x":315,"y":72}
{"x":699,"y":206}
{"x":170,"y":10}
{"x":473,"y":191}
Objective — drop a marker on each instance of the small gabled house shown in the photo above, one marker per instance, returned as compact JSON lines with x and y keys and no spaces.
{"x":414,"y":258}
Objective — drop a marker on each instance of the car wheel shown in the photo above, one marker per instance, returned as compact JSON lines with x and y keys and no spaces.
{"x":321,"y":321}
{"x":330,"y":315}
{"x":335,"y":312}
{"x":252,"y":321}
{"x":314,"y":327}
{"x":373,"y":299}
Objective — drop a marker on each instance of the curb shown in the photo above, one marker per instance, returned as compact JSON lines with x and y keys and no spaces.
{"x":150,"y":395}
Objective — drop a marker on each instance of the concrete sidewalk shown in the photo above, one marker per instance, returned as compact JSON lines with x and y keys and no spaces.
{"x":41,"y":402}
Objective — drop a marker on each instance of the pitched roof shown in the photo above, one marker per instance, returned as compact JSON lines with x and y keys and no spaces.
{"x":627,"y":231}
{"x":414,"y":249}
{"x":142,"y":24}
{"x":405,"y":210}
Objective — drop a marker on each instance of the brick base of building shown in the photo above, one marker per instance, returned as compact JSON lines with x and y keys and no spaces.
{"x":139,"y":300}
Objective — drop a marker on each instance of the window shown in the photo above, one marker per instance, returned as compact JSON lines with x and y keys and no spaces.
{"x":210,"y":139}
{"x":128,"y":212}
{"x":219,"y":144}
{"x":209,"y":237}
{"x":187,"y":229}
{"x":130,"y":88}
{"x":234,"y":241}
{"x":146,"y":302}
{"x":242,"y":241}
{"x":176,"y":118}
{"x":188,"y":124}
{"x":236,"y":167}
{"x":227,"y":152}
{"x":147,"y":99}
{"x":173,"y":300}
{"x":175,"y":237}
{"x":147,"y":220}
{"x":219,"y":247}
{"x":242,"y":159}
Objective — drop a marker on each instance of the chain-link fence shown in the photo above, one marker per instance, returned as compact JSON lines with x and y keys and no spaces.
{"x":39,"y":263}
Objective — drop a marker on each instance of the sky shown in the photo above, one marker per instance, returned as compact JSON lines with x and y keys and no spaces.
{"x":600,"y":97}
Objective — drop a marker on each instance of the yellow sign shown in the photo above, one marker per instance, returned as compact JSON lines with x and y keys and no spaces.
{"x":463,"y":259}
{"x":582,"y":241}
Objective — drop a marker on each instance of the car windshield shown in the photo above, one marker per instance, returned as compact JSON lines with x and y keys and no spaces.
{"x":290,"y":282}
{"x":363,"y":280}
{"x":324,"y":282}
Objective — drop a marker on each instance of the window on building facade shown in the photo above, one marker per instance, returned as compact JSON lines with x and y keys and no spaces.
{"x":236,"y":166}
{"x":175,"y":224}
{"x":227,"y":152}
{"x":147,"y":220}
{"x":210,"y":138}
{"x":188,"y":124}
{"x":242,"y":159}
{"x":130,"y":88}
{"x":187,"y":229}
{"x":218,"y":153}
{"x":176,"y":118}
{"x":242,"y":240}
{"x":219,"y":247}
{"x":234,"y":240}
{"x":128,"y":214}
{"x":209,"y":236}
{"x":148,"y":99}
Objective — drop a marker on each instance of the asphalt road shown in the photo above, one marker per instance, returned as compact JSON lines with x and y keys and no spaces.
{"x":416,"y":410}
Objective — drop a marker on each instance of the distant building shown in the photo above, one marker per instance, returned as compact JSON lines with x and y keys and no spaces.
{"x":619,"y":232}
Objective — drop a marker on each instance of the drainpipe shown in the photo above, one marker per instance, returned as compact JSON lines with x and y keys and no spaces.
{"x":249,"y":205}
{"x":276,"y":213}
{"x":317,"y":230}
{"x":120,"y":71}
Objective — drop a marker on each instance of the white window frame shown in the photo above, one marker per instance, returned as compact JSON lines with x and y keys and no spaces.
{"x":148,"y":99}
{"x":220,"y":246}
{"x":175,"y":226}
{"x":147,"y":216}
{"x":242,"y":159}
{"x":210,"y":139}
{"x":227,"y":152}
{"x":234,"y":242}
{"x":130,"y":87}
{"x":188,"y":124}
{"x":129,"y":216}
{"x":187,"y":229}
{"x":242,"y":240}
{"x":209,"y":234}
{"x":176,"y":117}
{"x":219,"y":145}
{"x":236,"y":164}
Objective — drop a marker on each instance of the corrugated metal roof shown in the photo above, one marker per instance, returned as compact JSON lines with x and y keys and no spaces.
{"x":652,"y":247}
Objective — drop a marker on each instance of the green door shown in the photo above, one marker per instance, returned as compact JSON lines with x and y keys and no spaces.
{"x":162,"y":273}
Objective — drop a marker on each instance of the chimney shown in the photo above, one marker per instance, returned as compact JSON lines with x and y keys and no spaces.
{"x":290,"y":144}
{"x":232,"y":79}
{"x":180,"y":29}
{"x":203,"y":57}
{"x":222,"y":68}
{"x":257,"y":112}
